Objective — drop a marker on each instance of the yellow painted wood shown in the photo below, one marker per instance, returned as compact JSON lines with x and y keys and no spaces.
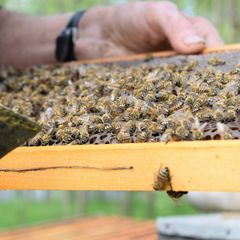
{"x":194,"y":166}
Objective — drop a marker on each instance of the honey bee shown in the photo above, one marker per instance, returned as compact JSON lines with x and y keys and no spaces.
{"x":153,"y":128}
{"x":65,"y":138}
{"x":108,"y":127}
{"x":182,"y":132}
{"x":228,"y":77}
{"x":232,"y":101}
{"x":204,"y":114}
{"x":163,"y":95}
{"x":224,"y":131}
{"x":77,"y":120}
{"x":130,"y":100}
{"x":191,"y":65}
{"x":152,"y":76}
{"x":43,"y":89}
{"x":96,"y":119}
{"x":216,"y":61}
{"x":216,"y":86}
{"x":130,"y":114}
{"x":197,"y":130}
{"x":172,"y":122}
{"x":82,"y":111}
{"x":150,"y":97}
{"x":231,"y":94}
{"x":35,"y":141}
{"x":171,"y":99}
{"x":100,"y":127}
{"x":167,"y":136}
{"x":74,"y":132}
{"x":177,"y":106}
{"x":218,"y":115}
{"x":84,"y":134}
{"x":165,"y":75}
{"x":59,"y":133}
{"x":114,"y":110}
{"x":141,"y":126}
{"x":219,"y":76}
{"x":140,"y":136}
{"x":197,"y":104}
{"x":186,"y":122}
{"x":45,"y":139}
{"x":106,"y":118}
{"x":117,"y":126}
{"x":162,"y":109}
{"x":121,"y":105}
{"x":162,"y":180}
{"x":161,"y":119}
{"x":129,"y":126}
{"x":92,"y":128}
{"x":210,"y":101}
{"x":124,"y":137}
{"x":230,"y":113}
{"x":162,"y":128}
{"x":203,"y":87}
{"x":190,"y":100}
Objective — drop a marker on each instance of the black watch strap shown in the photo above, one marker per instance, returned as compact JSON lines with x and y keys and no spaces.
{"x":65,"y":42}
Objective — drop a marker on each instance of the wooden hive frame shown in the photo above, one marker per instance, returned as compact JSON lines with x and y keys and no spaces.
{"x":194,"y":166}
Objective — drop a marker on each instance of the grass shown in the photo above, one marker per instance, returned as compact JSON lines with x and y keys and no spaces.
{"x":20,"y":211}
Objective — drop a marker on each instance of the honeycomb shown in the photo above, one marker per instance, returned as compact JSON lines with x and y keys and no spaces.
{"x":195,"y":97}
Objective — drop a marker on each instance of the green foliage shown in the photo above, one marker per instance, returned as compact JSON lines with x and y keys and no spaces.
{"x":50,"y":6}
{"x":20,"y":211}
{"x":223,"y":13}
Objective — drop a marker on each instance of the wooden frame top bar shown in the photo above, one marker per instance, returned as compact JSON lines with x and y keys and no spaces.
{"x":140,"y":56}
{"x":194,"y":166}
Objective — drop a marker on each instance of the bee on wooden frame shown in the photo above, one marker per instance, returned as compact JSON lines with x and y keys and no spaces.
{"x":162,"y":179}
{"x":162,"y":182}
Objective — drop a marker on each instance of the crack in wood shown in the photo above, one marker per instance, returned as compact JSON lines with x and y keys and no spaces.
{"x":65,"y":167}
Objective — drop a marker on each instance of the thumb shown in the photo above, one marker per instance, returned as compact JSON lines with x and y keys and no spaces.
{"x":181,"y":33}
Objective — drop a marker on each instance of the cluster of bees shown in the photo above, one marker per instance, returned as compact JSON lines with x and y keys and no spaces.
{"x":133,"y":103}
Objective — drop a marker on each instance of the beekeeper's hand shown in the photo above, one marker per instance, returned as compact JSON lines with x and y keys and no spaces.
{"x":142,"y":27}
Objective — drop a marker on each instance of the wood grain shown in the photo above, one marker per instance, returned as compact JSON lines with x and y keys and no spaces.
{"x":194,"y":166}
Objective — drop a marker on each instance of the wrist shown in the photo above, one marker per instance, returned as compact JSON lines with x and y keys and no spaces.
{"x":92,"y":29}
{"x":29,"y":40}
{"x":65,"y":42}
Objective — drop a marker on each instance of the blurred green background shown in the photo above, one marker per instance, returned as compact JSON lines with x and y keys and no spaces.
{"x":223,"y":14}
{"x":30,"y":207}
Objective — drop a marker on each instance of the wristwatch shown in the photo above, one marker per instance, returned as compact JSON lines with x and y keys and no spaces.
{"x":65,"y":41}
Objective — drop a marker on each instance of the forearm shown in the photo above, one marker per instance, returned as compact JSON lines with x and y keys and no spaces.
{"x":29,"y":40}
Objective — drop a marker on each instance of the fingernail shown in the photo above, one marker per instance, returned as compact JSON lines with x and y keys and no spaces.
{"x":193,"y":39}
